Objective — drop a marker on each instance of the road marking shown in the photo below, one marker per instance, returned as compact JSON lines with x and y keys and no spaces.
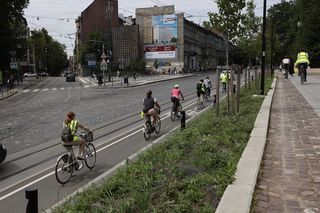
{"x":62,"y":88}
{"x":51,"y":173}
{"x":80,"y":78}
{"x":25,"y":91}
{"x":36,"y":90}
{"x":86,"y":86}
{"x":46,"y":89}
{"x":54,"y":89}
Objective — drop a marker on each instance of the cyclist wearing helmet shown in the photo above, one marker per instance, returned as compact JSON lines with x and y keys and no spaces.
{"x":175,"y":93}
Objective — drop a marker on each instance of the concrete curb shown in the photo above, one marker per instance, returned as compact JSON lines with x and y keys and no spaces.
{"x":8,"y":96}
{"x":238,"y":195}
{"x":15,"y":92}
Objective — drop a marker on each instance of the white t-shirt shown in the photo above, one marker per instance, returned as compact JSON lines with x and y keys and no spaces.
{"x":286,"y":61}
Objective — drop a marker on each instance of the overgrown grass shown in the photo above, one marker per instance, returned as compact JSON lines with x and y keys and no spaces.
{"x":187,"y":173}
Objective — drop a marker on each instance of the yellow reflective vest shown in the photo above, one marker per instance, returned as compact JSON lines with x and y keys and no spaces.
{"x":223,"y":77}
{"x":303,"y":57}
{"x":73,"y":125}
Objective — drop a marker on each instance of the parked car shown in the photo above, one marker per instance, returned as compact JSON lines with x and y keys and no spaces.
{"x":29,"y":74}
{"x":3,"y":153}
{"x":71,"y":78}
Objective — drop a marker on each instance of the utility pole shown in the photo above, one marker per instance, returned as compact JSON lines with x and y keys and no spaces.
{"x":109,"y":10}
{"x":263,"y":59}
{"x":272,"y":46}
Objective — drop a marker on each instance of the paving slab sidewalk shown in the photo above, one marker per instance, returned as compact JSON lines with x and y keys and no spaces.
{"x":289,"y":179}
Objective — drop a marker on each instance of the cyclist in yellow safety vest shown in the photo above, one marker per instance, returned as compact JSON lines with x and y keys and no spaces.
{"x":302,"y":62}
{"x":73,"y":125}
{"x":224,"y":79}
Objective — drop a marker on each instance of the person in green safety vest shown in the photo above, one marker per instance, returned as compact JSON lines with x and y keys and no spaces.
{"x":224,"y":79}
{"x":73,"y":124}
{"x":302,"y":62}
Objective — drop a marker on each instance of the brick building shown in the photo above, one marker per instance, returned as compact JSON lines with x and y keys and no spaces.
{"x":96,"y":18}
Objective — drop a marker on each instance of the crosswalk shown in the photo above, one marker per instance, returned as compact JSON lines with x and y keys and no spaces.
{"x":53,"y":89}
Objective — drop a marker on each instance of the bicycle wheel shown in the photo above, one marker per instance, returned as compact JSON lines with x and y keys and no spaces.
{"x":302,"y":77}
{"x":90,"y":155}
{"x":173,"y":114}
{"x":179,"y":111}
{"x":146,"y":132}
{"x":198,"y":103}
{"x":64,"y":169}
{"x":158,"y":126}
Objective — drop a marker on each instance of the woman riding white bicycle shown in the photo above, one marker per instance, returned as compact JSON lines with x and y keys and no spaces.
{"x":74,"y":125}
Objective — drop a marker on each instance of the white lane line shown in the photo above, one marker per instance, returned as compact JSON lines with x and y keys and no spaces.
{"x":36,"y":90}
{"x":51,"y":173}
{"x":86,"y":86}
{"x":54,"y":89}
{"x":26,"y":90}
{"x":62,"y":88}
{"x":46,"y":89}
{"x":80,"y":79}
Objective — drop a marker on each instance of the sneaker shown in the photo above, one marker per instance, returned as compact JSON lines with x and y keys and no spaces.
{"x":80,"y":158}
{"x":79,"y":165}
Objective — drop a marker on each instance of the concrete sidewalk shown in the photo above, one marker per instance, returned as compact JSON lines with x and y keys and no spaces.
{"x":141,"y":80}
{"x":5,"y":93}
{"x":289,"y":179}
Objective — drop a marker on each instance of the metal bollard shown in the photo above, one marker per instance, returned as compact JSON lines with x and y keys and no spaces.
{"x":183,"y":120}
{"x":234,"y":89}
{"x":32,"y":196}
{"x":252,"y":78}
{"x":214,"y":98}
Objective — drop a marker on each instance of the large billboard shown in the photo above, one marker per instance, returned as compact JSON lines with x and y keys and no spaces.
{"x":164,"y":37}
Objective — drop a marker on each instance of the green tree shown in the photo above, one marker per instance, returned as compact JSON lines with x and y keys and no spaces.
{"x":13,"y":28}
{"x":50,"y":55}
{"x":251,"y":25}
{"x":94,"y":44}
{"x":229,"y":19}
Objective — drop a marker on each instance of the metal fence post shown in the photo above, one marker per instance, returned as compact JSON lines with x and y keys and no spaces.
{"x":32,"y":196}
{"x":183,"y":120}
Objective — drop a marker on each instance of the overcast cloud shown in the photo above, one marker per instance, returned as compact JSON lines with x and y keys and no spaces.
{"x":58,"y":16}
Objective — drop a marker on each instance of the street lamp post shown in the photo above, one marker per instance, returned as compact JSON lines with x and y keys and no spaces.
{"x":263,"y":59}
{"x":109,"y":10}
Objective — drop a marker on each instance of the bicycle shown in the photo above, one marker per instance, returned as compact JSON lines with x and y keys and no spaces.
{"x":302,"y":71}
{"x":68,"y":162}
{"x":200,"y":102}
{"x":286,"y":73}
{"x":175,"y":111}
{"x":149,"y":128}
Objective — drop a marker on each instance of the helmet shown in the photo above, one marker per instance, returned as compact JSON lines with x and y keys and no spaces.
{"x":176,"y":85}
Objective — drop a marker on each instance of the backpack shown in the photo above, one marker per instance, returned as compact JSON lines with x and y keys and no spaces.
{"x":66,"y":135}
{"x":199,"y":86}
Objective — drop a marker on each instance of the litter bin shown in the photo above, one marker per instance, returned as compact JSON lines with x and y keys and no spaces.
{"x":126,"y":80}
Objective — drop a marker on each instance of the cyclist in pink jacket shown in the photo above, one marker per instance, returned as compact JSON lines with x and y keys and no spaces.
{"x":175,"y":94}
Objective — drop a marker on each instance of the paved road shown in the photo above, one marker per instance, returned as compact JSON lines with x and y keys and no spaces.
{"x":290,"y":174}
{"x":35,"y":115}
{"x":118,"y":136}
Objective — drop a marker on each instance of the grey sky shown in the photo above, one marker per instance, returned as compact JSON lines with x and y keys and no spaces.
{"x":58,"y":16}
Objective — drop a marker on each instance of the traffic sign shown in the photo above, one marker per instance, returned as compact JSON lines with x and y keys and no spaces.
{"x":103,"y":56}
{"x":104,"y":65}
{"x":14,"y":65}
{"x":92,"y":63}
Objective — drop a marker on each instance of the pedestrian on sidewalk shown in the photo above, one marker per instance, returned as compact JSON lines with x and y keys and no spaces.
{"x":134,"y":76}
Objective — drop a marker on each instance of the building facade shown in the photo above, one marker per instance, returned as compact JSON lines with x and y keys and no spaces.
{"x":125,"y":45}
{"x":169,"y":40}
{"x":99,"y":16}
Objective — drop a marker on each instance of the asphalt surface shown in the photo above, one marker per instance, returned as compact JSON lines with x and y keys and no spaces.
{"x":32,"y":125}
{"x":35,"y":115}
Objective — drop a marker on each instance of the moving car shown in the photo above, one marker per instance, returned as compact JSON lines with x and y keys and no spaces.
{"x":70,"y":77}
{"x":3,"y":153}
{"x":29,"y":74}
